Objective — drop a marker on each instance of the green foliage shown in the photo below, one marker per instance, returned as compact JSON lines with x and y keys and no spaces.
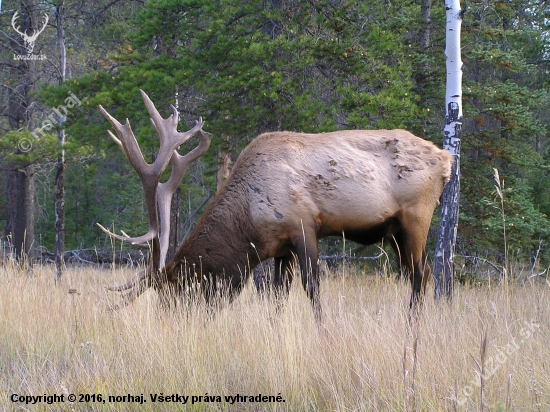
{"x":254,"y":66}
{"x":525,"y":226}
{"x":245,"y":68}
{"x":248,"y":68}
{"x":21,"y":148}
{"x":505,"y":90}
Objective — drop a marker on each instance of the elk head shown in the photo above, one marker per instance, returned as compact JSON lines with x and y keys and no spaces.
{"x":29,"y":40}
{"x":158,"y":196}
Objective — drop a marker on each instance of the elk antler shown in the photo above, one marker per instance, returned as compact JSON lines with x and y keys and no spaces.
{"x":150,"y":174}
{"x":165,"y":191}
{"x":138,"y":284}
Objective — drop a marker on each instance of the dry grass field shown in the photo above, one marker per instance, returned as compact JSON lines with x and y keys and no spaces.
{"x":487,"y":350}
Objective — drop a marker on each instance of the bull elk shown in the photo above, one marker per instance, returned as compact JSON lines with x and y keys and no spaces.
{"x":286,"y":191}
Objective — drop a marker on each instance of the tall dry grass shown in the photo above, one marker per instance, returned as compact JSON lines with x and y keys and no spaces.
{"x":364,"y":358}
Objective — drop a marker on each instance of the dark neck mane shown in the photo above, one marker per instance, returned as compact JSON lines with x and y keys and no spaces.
{"x":219,"y":247}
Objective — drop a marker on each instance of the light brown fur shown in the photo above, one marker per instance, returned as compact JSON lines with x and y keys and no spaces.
{"x":287,"y":190}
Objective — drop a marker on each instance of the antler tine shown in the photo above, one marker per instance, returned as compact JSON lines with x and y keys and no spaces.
{"x":180,"y":163}
{"x":153,"y":112}
{"x":167,"y":132}
{"x":117,"y":141}
{"x":138,"y":245}
{"x":130,"y":284}
{"x":175,"y":113}
{"x":139,"y":286}
{"x":136,"y":241}
{"x":165,"y":191}
{"x":156,"y":118}
{"x":127,"y":141}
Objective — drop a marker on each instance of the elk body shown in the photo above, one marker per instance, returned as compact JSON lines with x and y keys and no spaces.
{"x":287,"y":190}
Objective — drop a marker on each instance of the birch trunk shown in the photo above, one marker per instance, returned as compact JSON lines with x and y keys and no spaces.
{"x":444,"y":253}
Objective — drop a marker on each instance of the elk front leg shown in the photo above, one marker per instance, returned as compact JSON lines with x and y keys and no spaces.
{"x":282,"y":278}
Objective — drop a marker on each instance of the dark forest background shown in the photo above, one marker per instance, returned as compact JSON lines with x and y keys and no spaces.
{"x":253,"y":66}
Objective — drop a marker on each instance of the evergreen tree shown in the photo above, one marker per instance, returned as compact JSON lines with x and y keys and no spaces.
{"x":254,"y":66}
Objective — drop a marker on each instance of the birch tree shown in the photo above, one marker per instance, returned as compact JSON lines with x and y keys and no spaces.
{"x":444,"y":254}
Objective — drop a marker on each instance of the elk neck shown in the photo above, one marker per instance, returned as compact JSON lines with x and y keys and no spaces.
{"x":220,"y":248}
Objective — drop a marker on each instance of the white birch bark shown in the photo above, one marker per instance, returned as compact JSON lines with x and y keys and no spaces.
{"x":444,"y":254}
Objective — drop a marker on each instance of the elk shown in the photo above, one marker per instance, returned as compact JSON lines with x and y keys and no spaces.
{"x":29,"y":40}
{"x":286,"y":191}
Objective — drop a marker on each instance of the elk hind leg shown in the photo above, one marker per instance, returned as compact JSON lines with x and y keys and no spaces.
{"x":417,"y":244}
{"x":409,"y":244}
{"x":308,"y":255}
